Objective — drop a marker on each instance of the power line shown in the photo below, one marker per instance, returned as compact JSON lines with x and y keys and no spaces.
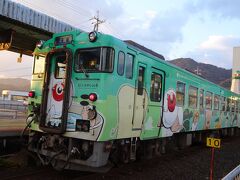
{"x":113,"y":31}
{"x":82,"y":12}
{"x":51,"y":12}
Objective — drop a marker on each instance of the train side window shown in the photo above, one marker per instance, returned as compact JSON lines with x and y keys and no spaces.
{"x":208,"y":100}
{"x":192,"y":97}
{"x":228,"y":104}
{"x":216,"y":102}
{"x":156,"y":86}
{"x":180,"y":93}
{"x":201,"y":98}
{"x":233,"y":105}
{"x":39,"y":65}
{"x":129,"y":66}
{"x":140,"y":80}
{"x":223,"y":102}
{"x":237,"y":105}
{"x":121,"y":63}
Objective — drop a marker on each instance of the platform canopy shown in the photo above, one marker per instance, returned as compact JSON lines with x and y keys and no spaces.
{"x":21,"y":27}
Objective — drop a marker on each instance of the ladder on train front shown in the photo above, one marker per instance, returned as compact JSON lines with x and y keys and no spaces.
{"x":133,"y":148}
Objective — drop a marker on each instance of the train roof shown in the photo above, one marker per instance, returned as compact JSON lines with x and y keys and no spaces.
{"x":140,"y":47}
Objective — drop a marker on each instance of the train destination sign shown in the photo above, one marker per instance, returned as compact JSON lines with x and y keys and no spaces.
{"x":213,"y":142}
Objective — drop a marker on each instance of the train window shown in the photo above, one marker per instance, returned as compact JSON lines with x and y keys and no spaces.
{"x":228,"y":104}
{"x":208,"y":100}
{"x":61,"y":65}
{"x":233,"y":105}
{"x":140,"y":80}
{"x":223,"y":102}
{"x":180,"y":93}
{"x":39,"y":65}
{"x":192,"y":97}
{"x":121,"y":63}
{"x":129,"y":66}
{"x":216,"y":102}
{"x":156,"y":86}
{"x":201,"y":98}
{"x":94,"y":60}
{"x":237,"y":106}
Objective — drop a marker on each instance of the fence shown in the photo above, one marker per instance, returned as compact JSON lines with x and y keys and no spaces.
{"x":233,"y":175}
{"x":12,"y":109}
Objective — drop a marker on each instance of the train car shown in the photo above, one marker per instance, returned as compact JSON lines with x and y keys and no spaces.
{"x":95,"y":98}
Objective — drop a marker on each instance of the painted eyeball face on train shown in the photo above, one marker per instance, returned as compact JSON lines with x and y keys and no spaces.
{"x":171,"y":101}
{"x":57,"y":91}
{"x":173,"y":115}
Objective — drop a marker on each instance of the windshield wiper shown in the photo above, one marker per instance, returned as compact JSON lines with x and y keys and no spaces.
{"x":84,"y":71}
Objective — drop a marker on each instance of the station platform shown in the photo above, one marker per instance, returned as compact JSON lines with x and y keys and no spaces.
{"x":11,"y":127}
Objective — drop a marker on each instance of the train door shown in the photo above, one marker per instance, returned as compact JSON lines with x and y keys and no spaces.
{"x":55,"y":93}
{"x":139,"y":98}
{"x":154,"y":113}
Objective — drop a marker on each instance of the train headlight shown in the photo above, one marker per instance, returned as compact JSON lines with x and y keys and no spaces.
{"x":92,"y":36}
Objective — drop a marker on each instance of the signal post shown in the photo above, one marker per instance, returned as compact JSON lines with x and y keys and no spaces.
{"x":213,"y":143}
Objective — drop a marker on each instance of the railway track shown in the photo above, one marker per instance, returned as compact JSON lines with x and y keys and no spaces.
{"x":189,"y":163}
{"x":44,"y":173}
{"x":28,"y":174}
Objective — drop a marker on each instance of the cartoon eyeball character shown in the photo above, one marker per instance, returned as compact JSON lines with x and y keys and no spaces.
{"x":171,"y":99}
{"x":173,"y":115}
{"x":57,"y":91}
{"x":170,"y":109}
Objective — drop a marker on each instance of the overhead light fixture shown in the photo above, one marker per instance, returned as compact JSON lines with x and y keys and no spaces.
{"x":19,"y":59}
{"x":40,"y":44}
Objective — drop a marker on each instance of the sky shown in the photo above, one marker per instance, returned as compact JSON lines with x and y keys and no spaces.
{"x":205,"y":31}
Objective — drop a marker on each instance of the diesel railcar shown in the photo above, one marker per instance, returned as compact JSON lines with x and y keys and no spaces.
{"x":96,"y":98}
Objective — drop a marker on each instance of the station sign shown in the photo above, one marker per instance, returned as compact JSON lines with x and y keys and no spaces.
{"x":213,"y":142}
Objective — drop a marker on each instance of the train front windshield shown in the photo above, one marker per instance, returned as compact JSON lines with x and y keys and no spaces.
{"x":94,"y":60}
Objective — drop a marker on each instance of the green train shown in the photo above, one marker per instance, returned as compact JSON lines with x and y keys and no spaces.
{"x":95,"y":98}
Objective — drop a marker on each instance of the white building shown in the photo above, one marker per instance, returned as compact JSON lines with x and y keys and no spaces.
{"x":14,"y":95}
{"x":235,"y":87}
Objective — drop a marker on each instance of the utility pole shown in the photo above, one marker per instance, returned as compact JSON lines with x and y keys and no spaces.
{"x":97,"y":22}
{"x":198,"y":71}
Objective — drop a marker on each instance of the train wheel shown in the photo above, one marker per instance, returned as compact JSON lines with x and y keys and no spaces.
{"x":157,"y":148}
{"x":56,"y":165}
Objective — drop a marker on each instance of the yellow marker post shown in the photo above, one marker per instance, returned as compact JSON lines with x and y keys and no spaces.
{"x":213,"y":143}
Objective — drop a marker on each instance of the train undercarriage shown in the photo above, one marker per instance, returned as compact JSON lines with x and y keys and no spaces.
{"x":76,"y":154}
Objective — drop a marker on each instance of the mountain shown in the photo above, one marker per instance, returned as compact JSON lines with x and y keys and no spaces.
{"x":15,"y":84}
{"x":210,"y":72}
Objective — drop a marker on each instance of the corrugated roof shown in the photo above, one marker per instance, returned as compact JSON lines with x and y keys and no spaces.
{"x":31,"y":17}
